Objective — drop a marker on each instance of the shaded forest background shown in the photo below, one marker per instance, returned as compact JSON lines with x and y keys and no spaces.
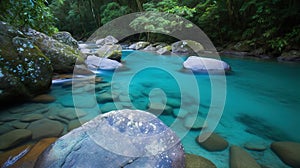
{"x":270,"y":25}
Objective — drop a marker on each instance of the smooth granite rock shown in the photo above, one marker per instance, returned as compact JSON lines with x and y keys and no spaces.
{"x":14,"y":138}
{"x":206,"y":65}
{"x":125,"y":138}
{"x":45,"y":128}
{"x":214,"y":143}
{"x":194,"y":161}
{"x":288,"y":152}
{"x":239,"y":158}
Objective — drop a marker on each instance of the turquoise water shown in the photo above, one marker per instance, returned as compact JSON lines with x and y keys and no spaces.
{"x":258,"y":102}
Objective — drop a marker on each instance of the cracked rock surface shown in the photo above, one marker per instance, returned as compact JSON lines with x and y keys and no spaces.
{"x":123,"y":138}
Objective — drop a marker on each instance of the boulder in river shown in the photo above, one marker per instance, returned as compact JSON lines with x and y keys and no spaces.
{"x":206,"y":65}
{"x":186,"y":47}
{"x":94,"y":62}
{"x":110,"y":51}
{"x":62,"y":56}
{"x":24,"y":70}
{"x":107,"y":40}
{"x":45,"y":128}
{"x":125,"y":138}
{"x":139,"y":45}
{"x":288,"y":152}
{"x":14,"y":138}
{"x":66,"y":38}
{"x":239,"y":158}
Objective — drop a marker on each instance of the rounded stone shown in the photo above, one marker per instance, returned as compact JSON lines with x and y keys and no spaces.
{"x":214,"y":143}
{"x":288,"y":152}
{"x":124,"y":138}
{"x":44,"y":98}
{"x":239,"y":158}
{"x":14,"y":138}
{"x":180,"y":113}
{"x":255,"y":146}
{"x":31,"y":117}
{"x":194,"y":161}
{"x":45,"y":128}
{"x":71,"y":114}
{"x":194,"y":122}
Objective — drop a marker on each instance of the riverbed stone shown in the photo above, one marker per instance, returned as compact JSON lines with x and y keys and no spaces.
{"x":206,"y":65}
{"x":146,"y":142}
{"x":158,"y":108}
{"x":75,"y":124}
{"x":288,"y":152}
{"x":255,"y":146}
{"x":194,"y":122}
{"x":180,"y":113}
{"x":195,"y":161}
{"x":5,"y":128}
{"x":8,"y":118}
{"x":104,"y":108}
{"x":45,"y":128}
{"x":44,"y":98}
{"x":239,"y":158}
{"x":14,"y":138}
{"x":71,"y":114}
{"x":19,"y":125}
{"x":31,"y":117}
{"x":214,"y":143}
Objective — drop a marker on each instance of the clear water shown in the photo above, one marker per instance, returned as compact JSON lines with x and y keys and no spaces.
{"x":261,"y":100}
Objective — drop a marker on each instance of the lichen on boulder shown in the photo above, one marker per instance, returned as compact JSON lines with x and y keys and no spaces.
{"x":24,"y":70}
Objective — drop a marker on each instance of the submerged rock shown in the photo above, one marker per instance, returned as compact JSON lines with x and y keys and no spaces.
{"x":206,"y":65}
{"x":194,"y":161}
{"x":43,"y":98}
{"x":239,"y":158}
{"x":255,"y":146}
{"x":214,"y":143}
{"x":288,"y":152}
{"x":45,"y":128}
{"x":125,"y":138}
{"x":14,"y":138}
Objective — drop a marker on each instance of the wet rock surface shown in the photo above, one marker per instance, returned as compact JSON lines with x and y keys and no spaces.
{"x":146,"y":142}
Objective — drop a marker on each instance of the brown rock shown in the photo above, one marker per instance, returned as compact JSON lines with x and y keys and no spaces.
{"x":194,"y":161}
{"x":45,"y":128}
{"x":288,"y":152}
{"x":239,"y":158}
{"x":14,"y":138}
{"x":31,"y":117}
{"x":214,"y":143}
{"x":255,"y":146}
{"x":44,"y":98}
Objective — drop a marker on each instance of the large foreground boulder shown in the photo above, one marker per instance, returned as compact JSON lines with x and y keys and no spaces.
{"x":124,"y":138}
{"x":24,"y":70}
{"x":62,"y":56}
{"x":206,"y":65}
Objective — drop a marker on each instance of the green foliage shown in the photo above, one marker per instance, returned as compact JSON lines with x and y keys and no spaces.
{"x":113,"y":10}
{"x":28,"y":13}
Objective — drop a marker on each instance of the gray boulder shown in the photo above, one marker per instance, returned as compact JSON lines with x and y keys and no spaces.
{"x":139,"y":45}
{"x":110,"y":51}
{"x":66,"y":38}
{"x":107,"y":40}
{"x":290,"y":56}
{"x":125,"y":138}
{"x":62,"y":56}
{"x":206,"y":65}
{"x":24,"y":70}
{"x":187,"y":47}
{"x":94,"y":62}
